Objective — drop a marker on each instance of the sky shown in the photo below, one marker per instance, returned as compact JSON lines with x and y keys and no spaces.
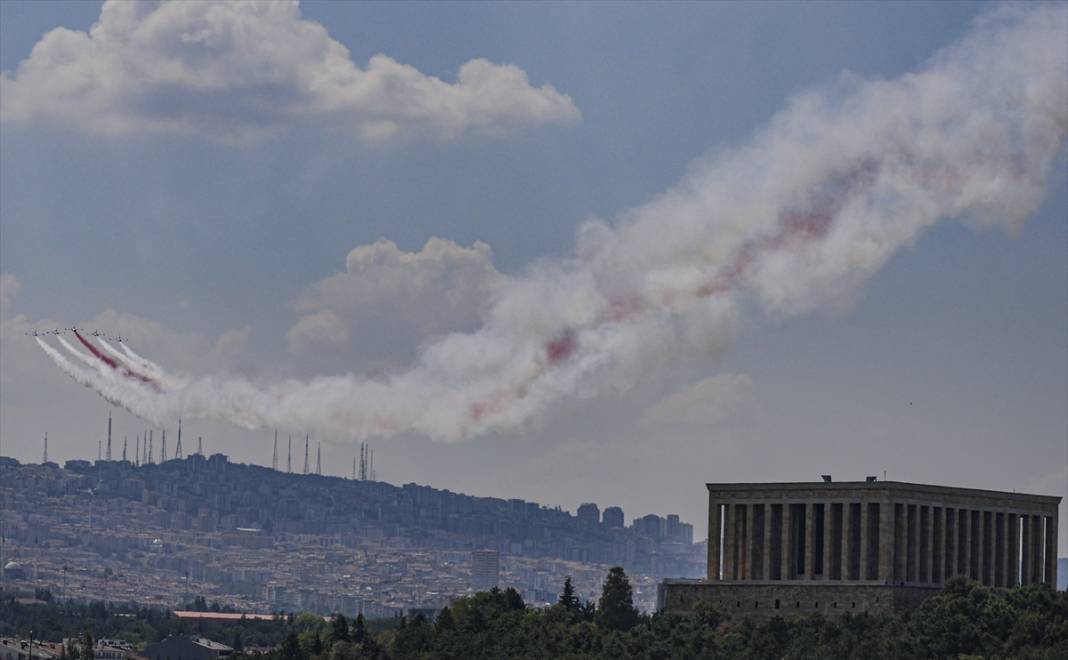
{"x":330,"y":189}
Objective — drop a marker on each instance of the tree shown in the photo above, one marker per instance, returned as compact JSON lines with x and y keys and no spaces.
{"x":340,"y":631}
{"x":359,"y":630}
{"x":291,"y":648}
{"x":616,"y":608}
{"x":445,"y":622}
{"x":87,"y":646}
{"x":568,"y":600}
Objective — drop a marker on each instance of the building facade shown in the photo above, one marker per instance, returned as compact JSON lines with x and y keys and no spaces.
{"x":868,"y":545}
{"x":485,"y":569}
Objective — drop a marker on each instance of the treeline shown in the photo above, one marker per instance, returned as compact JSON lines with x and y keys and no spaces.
{"x":964,"y":620}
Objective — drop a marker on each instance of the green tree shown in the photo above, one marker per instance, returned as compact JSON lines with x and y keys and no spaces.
{"x":359,"y":630}
{"x":568,"y":600}
{"x":291,"y":648}
{"x":88,"y":653}
{"x":340,"y":629}
{"x":616,"y":610}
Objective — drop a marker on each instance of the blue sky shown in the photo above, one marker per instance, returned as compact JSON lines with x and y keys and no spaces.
{"x":951,"y":366}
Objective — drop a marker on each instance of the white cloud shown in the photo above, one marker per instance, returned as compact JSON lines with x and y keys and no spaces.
{"x":704,"y":403}
{"x":235,"y":70}
{"x":9,"y":288}
{"x":388,"y":300}
{"x":322,"y":331}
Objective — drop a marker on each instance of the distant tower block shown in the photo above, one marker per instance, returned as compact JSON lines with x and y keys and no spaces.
{"x":109,"y":436}
{"x":44,"y":459}
{"x":289,"y":456}
{"x":200,"y":445}
{"x":485,"y":569}
{"x":274,"y":456}
{"x":305,"y":454}
{"x":178,"y":449}
{"x":163,"y":446}
{"x":98,"y":450}
{"x":124,"y":441}
{"x":151,"y":438}
{"x":137,"y":450}
{"x":319,"y":458}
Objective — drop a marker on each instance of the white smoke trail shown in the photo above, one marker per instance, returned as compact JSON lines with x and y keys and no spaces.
{"x":149,"y":367}
{"x":90,"y":379}
{"x":85,"y":358}
{"x":801,"y":217}
{"x":141,"y":365}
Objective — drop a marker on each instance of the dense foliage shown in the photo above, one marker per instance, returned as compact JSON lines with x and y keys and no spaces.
{"x":965,"y":620}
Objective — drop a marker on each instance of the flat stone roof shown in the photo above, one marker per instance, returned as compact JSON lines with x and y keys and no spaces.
{"x":875,"y":489}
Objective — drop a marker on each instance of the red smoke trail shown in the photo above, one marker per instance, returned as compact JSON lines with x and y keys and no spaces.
{"x":796,"y":226}
{"x":115,"y":365}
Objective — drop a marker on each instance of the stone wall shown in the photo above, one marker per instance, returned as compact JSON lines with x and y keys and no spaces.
{"x":748,"y":600}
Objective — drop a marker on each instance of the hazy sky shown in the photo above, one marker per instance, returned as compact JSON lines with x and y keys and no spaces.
{"x":226,"y":220}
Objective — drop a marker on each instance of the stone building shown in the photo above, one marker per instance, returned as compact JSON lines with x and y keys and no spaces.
{"x":838,"y":547}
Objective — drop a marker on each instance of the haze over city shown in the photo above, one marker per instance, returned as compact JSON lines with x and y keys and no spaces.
{"x":414,"y":200}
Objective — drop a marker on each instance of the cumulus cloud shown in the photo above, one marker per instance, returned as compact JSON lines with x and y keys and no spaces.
{"x":319,"y":332}
{"x":9,"y":288}
{"x":388,"y":299}
{"x":704,"y":403}
{"x":234,"y":70}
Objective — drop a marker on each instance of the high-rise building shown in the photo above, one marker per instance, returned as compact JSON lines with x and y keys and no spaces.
{"x":485,"y":569}
{"x":613,"y":517}
{"x":589,"y":514}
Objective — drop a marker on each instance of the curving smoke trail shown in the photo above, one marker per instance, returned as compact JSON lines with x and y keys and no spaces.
{"x":800,"y":217}
{"x":89,"y":379}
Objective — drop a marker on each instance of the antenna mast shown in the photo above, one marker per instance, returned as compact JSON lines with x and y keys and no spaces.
{"x":319,"y":458}
{"x":305,"y":454}
{"x":109,"y":436}
{"x":125,"y":439}
{"x":274,"y":456}
{"x":178,"y":449}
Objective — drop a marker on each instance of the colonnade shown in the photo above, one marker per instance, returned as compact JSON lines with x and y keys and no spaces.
{"x":888,"y":541}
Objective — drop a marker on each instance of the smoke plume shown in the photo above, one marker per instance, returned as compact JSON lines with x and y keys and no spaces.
{"x":799,"y":218}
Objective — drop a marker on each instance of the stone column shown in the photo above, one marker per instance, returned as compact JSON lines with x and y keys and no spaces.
{"x":980,"y":550}
{"x":714,"y":539}
{"x":938,"y":568}
{"x":1013,"y":578}
{"x":828,"y":540}
{"x":916,"y":522}
{"x":769,"y":533}
{"x":1036,"y":549}
{"x":848,"y":547}
{"x":865,"y":541}
{"x":742,"y":534}
{"x":728,"y":541}
{"x":786,"y":561}
{"x":929,"y":554}
{"x":999,"y":549}
{"x":965,"y":523}
{"x":1026,"y":551}
{"x":755,"y":550}
{"x":745,"y":541}
{"x":1051,"y":550}
{"x":810,"y":541}
{"x":951,"y":542}
{"x":887,"y":542}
